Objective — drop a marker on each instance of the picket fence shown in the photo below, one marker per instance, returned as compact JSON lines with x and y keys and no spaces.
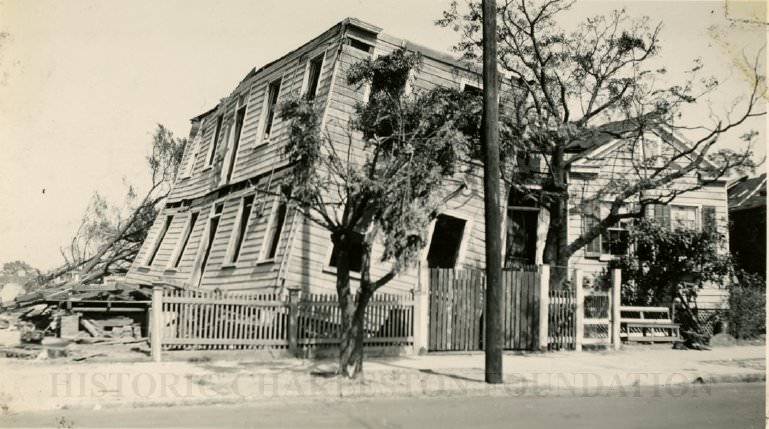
{"x":211,"y":320}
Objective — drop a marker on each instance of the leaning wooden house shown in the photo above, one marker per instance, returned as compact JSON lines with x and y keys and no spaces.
{"x":224,"y":228}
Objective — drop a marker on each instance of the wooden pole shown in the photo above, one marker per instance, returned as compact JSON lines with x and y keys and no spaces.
{"x":579,"y":317}
{"x":616,"y":285}
{"x":156,"y":331}
{"x":544,"y":305}
{"x":489,"y":136}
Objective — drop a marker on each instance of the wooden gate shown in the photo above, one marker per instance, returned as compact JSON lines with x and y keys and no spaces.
{"x":457,"y":304}
{"x":597,"y":318}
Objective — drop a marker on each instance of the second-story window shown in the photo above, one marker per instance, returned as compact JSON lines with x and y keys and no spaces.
{"x":313,"y":77}
{"x":273,"y":93}
{"x":240,"y":115}
{"x":194,"y":149}
{"x":215,"y":139}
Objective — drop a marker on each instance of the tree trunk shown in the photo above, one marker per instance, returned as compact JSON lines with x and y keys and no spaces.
{"x":351,"y":350}
{"x":555,"y":244}
{"x":557,"y":240}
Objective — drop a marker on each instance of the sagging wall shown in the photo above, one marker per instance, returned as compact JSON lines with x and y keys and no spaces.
{"x":304,"y":248}
{"x":257,"y":167}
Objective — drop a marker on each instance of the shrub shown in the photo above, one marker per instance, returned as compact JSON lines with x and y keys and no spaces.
{"x":747,"y":306}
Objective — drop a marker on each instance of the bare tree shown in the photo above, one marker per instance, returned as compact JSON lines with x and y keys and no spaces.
{"x":571,"y":91}
{"x":109,"y":237}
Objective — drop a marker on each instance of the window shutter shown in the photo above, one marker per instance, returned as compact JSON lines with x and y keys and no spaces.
{"x":709,"y":218}
{"x":662,"y":214}
{"x":589,"y":219}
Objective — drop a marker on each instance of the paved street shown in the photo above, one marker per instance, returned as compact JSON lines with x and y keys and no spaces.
{"x":718,"y":406}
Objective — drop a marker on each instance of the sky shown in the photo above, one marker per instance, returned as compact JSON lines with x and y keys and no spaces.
{"x":84,"y":83}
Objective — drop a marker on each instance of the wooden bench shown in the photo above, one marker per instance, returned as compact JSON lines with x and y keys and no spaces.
{"x":648,"y":324}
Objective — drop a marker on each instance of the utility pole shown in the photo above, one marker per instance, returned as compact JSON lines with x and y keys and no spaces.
{"x":489,"y":138}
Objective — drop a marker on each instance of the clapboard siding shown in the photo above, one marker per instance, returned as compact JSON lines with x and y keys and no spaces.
{"x":254,"y":157}
{"x":615,"y":167}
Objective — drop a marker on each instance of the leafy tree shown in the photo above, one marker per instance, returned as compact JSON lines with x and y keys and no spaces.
{"x":383,"y":176}
{"x":569,"y":90}
{"x":673,"y":264}
{"x":663,"y":259}
{"x":109,"y":236}
{"x":14,"y":267}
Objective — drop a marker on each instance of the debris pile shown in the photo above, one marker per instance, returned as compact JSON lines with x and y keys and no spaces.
{"x":41,"y":324}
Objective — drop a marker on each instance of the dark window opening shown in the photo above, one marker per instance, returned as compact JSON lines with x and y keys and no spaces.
{"x":273,"y":93}
{"x":159,"y":241}
{"x":215,"y":141}
{"x":213,"y":226}
{"x":314,"y":77}
{"x":472,"y":90}
{"x":277,"y":228}
{"x":248,"y":203}
{"x":355,"y":253}
{"x":193,"y":220}
{"x":521,"y":241}
{"x":519,"y":198}
{"x":360,"y":45}
{"x":239,"y":117}
{"x":446,"y":241}
{"x":615,"y":241}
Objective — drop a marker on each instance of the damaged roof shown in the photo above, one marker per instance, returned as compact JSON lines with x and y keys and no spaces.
{"x":748,"y":193}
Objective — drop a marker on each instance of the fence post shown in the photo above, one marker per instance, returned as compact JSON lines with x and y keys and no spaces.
{"x":293,"y":321}
{"x":616,"y":285}
{"x":156,"y":329}
{"x":421,"y":309}
{"x":544,"y":304}
{"x":579,"y":316}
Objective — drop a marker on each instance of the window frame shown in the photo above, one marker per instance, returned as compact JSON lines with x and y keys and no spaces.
{"x":234,"y":135}
{"x":604,"y":246}
{"x":158,"y":241}
{"x":215,"y":139}
{"x":270,"y":238}
{"x":308,"y":75}
{"x":697,"y":208}
{"x":198,"y":270}
{"x":464,"y":243}
{"x":184,"y":239}
{"x":330,"y":254}
{"x":189,"y":168}
{"x":268,"y":109}
{"x":239,"y":232}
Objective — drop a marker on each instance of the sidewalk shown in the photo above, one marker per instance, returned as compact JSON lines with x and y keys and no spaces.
{"x":31,"y":385}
